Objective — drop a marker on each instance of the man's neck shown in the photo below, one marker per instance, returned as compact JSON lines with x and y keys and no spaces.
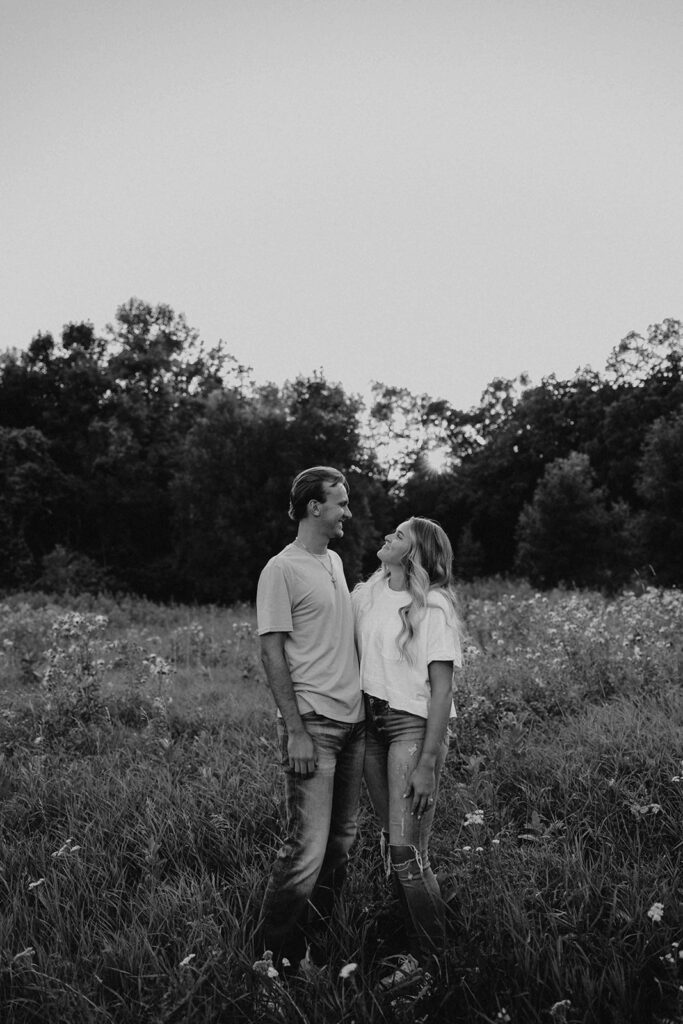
{"x":310,"y":538}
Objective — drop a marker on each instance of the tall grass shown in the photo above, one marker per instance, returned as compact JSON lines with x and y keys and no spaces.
{"x":140,"y":801}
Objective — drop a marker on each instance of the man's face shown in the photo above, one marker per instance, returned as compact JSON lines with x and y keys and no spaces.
{"x":334,"y":511}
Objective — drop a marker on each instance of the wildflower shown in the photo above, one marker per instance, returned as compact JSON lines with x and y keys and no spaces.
{"x":187,"y":960}
{"x":558,"y":1011}
{"x":67,"y":847}
{"x":656,"y":912}
{"x":29,"y":951}
{"x":640,"y":810}
{"x":347,"y":970}
{"x":34,"y":885}
{"x":466,"y":849}
{"x":475,"y":817}
{"x":266,"y":966}
{"x":495,"y":842}
{"x":157,"y":666}
{"x":503,"y":1016}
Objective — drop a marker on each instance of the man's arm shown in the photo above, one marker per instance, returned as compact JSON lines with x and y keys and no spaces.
{"x":300,"y":745}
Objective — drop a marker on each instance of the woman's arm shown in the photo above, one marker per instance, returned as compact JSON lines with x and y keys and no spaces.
{"x":422,"y":782}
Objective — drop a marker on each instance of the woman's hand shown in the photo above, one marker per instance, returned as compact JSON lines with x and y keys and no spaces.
{"x":422,"y":787}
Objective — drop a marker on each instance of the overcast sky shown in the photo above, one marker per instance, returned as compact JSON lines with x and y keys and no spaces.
{"x":428,"y":193}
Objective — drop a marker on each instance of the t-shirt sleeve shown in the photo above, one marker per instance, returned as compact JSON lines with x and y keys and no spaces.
{"x":358,"y":603}
{"x":443,"y":640}
{"x":273,"y":603}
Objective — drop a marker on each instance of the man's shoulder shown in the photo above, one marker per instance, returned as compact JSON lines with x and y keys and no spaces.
{"x":283,"y":557}
{"x":284,"y":562}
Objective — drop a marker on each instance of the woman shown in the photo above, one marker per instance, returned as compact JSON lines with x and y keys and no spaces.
{"x":408,"y":637}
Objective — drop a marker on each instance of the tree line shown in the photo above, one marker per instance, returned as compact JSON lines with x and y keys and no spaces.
{"x":138,"y":459}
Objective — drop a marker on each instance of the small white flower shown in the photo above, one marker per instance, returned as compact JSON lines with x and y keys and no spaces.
{"x":29,"y":951}
{"x":187,"y":960}
{"x":347,"y":970}
{"x":466,"y":849}
{"x":558,"y":1011}
{"x":272,"y":973}
{"x":67,"y":847}
{"x":474,"y":818}
{"x":656,"y":912}
{"x":495,"y":842}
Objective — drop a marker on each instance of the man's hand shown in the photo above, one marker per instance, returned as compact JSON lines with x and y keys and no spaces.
{"x":303,"y":756}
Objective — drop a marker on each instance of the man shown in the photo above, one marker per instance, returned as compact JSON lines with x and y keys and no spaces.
{"x":305,"y":623}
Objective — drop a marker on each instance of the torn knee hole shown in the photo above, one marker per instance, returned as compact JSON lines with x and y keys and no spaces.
{"x":384,"y":851}
{"x":406,"y":860}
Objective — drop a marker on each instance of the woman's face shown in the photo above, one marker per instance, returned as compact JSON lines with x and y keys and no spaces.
{"x":396,"y":545}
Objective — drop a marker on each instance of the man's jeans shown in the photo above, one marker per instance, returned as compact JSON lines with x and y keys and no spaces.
{"x":321,"y":825}
{"x":393,"y":748}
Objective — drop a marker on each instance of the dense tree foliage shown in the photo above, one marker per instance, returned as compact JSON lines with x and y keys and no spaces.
{"x":568,"y":534}
{"x":660,"y":486}
{"x":142,"y":460}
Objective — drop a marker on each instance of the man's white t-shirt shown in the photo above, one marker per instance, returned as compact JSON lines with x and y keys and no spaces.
{"x":387,"y":674}
{"x":296,"y":596}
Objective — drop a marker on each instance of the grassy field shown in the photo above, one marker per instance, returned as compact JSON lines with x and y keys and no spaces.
{"x":140,"y":800}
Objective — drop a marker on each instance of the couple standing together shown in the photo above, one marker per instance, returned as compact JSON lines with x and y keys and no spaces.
{"x":363,"y":684}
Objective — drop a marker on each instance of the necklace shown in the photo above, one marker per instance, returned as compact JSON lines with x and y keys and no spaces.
{"x":328,"y":568}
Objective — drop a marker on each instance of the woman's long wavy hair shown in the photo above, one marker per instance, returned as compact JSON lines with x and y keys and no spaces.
{"x":428,"y":567}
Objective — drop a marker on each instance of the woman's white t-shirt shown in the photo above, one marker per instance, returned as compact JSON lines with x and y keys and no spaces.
{"x":384,"y":672}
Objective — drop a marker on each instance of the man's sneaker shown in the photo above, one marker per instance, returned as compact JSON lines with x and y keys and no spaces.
{"x":407,"y":971}
{"x":407,"y":977}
